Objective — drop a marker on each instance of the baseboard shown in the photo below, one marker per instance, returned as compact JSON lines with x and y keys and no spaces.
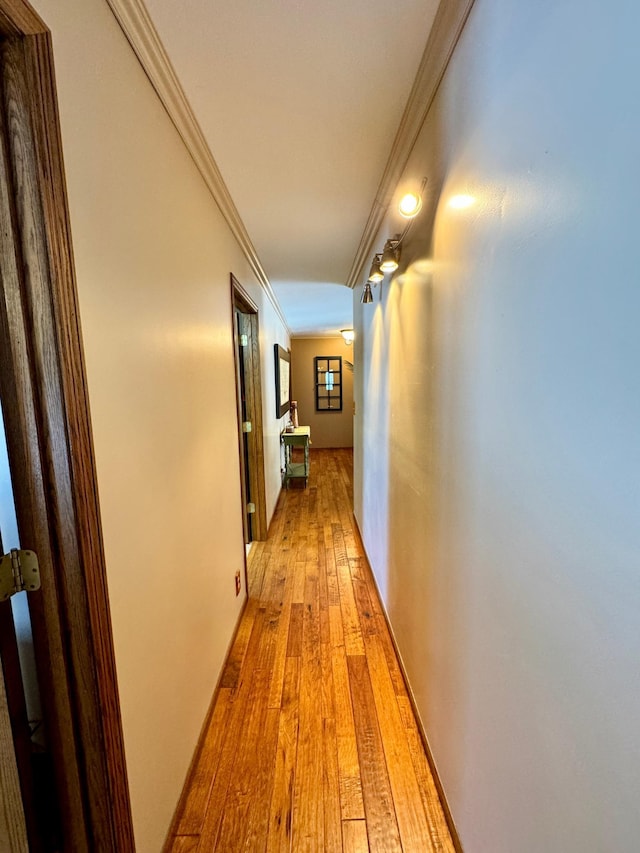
{"x":177,"y":815}
{"x":425,"y":741}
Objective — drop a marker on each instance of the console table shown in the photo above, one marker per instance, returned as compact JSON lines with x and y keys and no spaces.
{"x":300,"y":437}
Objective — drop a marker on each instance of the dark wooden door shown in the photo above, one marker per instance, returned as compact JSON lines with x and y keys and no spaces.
{"x":46,"y":414}
{"x":29,"y":797}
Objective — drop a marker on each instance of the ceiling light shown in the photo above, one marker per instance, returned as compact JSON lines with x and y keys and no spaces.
{"x":410,"y":205}
{"x":348,"y":335}
{"x":390,"y":255}
{"x":367,"y":296}
{"x":375,"y":274}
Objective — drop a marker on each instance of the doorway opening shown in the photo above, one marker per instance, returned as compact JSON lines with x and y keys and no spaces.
{"x":246,"y":338}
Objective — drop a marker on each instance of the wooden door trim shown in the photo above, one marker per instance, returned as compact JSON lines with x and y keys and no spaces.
{"x":18,"y":18}
{"x":241,"y":298}
{"x":72,"y":623}
{"x":13,"y":828}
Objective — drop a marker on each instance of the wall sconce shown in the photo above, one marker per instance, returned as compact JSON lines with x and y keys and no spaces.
{"x":367,"y":296}
{"x":387,"y":262}
{"x":375,"y":273}
{"x":348,"y":336}
{"x":391,"y":254}
{"x":410,"y":205}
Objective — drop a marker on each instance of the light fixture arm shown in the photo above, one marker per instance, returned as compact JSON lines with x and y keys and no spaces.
{"x":396,"y":242}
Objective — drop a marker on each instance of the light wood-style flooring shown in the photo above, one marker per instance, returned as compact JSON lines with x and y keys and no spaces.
{"x":312,"y":744}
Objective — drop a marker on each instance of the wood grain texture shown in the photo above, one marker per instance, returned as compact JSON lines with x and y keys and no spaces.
{"x":311,"y":747}
{"x":18,"y":18}
{"x":22,"y":427}
{"x":281,"y":806}
{"x":13,"y":828}
{"x":185,"y":844}
{"x":382,"y":827}
{"x":17,"y":709}
{"x":205,"y":769}
{"x":51,"y":435}
{"x":354,"y":836}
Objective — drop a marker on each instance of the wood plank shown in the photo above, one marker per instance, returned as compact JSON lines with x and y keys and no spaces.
{"x":383,"y":630}
{"x":239,"y":711}
{"x":247,"y":766}
{"x":183,"y":844}
{"x":331,"y":787}
{"x":259,"y":792}
{"x":279,"y":833}
{"x":336,"y":627}
{"x":299,"y":574}
{"x":410,"y":814}
{"x":323,"y":593}
{"x":327,"y":693}
{"x":357,"y":568}
{"x":303,"y":754}
{"x":382,"y":826}
{"x":354,"y":836}
{"x":308,"y":799}
{"x":351,"y":802}
{"x":281,"y":644}
{"x":204,"y":772}
{"x":438,"y":826}
{"x":366,"y":614}
{"x":353,"y":642}
{"x":231,"y":672}
{"x":331,"y":569}
{"x":294,"y":642}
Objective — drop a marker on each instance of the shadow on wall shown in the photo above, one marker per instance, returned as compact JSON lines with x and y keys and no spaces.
{"x":424,"y":512}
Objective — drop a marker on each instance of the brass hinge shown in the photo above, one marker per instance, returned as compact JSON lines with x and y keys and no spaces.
{"x":246,"y":426}
{"x":251,"y":508}
{"x":18,"y":570}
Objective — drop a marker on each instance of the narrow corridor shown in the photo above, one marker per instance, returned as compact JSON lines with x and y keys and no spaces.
{"x":312,"y":744}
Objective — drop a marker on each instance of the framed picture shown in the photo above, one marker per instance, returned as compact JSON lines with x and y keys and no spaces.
{"x":283,"y":379}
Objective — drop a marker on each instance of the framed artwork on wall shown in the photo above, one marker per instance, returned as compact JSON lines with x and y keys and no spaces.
{"x":283,"y":379}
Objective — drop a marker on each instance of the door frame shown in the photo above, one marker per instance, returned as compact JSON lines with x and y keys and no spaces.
{"x":240,"y":299}
{"x":51,"y":453}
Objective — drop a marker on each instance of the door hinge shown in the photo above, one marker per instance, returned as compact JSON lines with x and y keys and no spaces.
{"x":246,"y":426}
{"x":18,"y":570}
{"x":251,"y":508}
{"x":244,"y":341}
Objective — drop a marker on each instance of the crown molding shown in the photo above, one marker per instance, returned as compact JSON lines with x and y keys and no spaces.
{"x":320,"y":336}
{"x":137,"y":26}
{"x":445,"y":32}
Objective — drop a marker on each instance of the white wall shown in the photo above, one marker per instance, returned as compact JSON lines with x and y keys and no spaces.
{"x":497,"y":431}
{"x":153,"y":258}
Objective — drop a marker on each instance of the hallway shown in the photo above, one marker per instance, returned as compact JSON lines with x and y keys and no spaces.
{"x":312,"y":744}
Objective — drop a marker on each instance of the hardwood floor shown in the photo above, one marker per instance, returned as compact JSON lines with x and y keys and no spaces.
{"x":312,"y":744}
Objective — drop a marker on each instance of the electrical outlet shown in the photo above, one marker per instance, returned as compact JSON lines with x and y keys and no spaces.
{"x":238,"y":583}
